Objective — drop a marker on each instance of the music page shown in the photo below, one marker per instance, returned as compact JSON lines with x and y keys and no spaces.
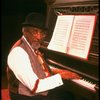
{"x":81,"y":35}
{"x":73,"y":34}
{"x":61,"y":33}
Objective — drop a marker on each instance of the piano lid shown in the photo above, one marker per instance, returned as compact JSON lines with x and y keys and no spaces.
{"x":52,"y":2}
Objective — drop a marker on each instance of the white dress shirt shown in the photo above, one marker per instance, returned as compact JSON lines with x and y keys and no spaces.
{"x":19,"y":62}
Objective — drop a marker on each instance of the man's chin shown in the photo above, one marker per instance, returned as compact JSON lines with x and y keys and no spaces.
{"x":35,"y":45}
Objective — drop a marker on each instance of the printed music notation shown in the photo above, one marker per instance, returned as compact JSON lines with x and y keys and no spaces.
{"x":73,"y":34}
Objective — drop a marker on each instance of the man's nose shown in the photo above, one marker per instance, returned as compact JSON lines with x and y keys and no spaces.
{"x":38,"y":35}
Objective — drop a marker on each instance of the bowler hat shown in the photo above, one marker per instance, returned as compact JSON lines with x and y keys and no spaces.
{"x":35,"y":20}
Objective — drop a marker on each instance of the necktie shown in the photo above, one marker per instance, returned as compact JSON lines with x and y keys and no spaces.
{"x":42,"y":61}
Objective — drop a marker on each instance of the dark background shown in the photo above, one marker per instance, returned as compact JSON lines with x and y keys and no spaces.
{"x":13,"y":13}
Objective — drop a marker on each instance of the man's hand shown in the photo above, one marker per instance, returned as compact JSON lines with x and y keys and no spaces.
{"x":65,"y":74}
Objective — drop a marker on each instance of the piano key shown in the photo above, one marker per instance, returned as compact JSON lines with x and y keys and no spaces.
{"x":82,"y":82}
{"x":85,"y":83}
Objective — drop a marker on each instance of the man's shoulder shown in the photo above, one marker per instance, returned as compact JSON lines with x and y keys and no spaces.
{"x":17,"y":43}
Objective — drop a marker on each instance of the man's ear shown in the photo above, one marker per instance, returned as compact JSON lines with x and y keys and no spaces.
{"x":23,"y":29}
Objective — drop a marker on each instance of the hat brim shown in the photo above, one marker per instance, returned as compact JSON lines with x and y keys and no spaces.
{"x":27,"y":24}
{"x":31,"y":25}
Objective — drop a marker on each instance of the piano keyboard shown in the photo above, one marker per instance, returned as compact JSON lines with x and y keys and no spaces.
{"x":85,"y":83}
{"x":82,"y":82}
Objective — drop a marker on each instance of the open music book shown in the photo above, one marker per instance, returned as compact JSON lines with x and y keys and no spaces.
{"x":73,"y":34}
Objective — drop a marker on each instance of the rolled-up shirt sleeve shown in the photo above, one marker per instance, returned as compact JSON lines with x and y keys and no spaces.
{"x":19,"y":63}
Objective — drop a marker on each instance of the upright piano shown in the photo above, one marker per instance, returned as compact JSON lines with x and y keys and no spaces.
{"x":88,"y":86}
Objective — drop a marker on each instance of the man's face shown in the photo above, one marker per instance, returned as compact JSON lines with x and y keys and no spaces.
{"x":34,"y":35}
{"x":38,"y":35}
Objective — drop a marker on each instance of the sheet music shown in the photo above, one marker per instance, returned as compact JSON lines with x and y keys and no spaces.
{"x":81,"y":35}
{"x":61,"y":33}
{"x":73,"y":34}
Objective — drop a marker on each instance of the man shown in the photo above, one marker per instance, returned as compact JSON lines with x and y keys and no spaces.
{"x":28,"y":76}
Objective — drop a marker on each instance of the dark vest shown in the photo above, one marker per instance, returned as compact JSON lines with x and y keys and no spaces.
{"x":14,"y":85}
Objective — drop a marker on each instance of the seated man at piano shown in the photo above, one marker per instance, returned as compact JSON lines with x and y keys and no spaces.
{"x":29,"y":77}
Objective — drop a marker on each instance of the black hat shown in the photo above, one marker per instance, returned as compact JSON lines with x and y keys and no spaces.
{"x":35,"y":20}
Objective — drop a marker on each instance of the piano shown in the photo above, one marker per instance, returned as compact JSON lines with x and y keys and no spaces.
{"x":87,"y":87}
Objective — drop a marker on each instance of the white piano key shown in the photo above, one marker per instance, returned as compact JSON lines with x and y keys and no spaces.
{"x":85,"y":83}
